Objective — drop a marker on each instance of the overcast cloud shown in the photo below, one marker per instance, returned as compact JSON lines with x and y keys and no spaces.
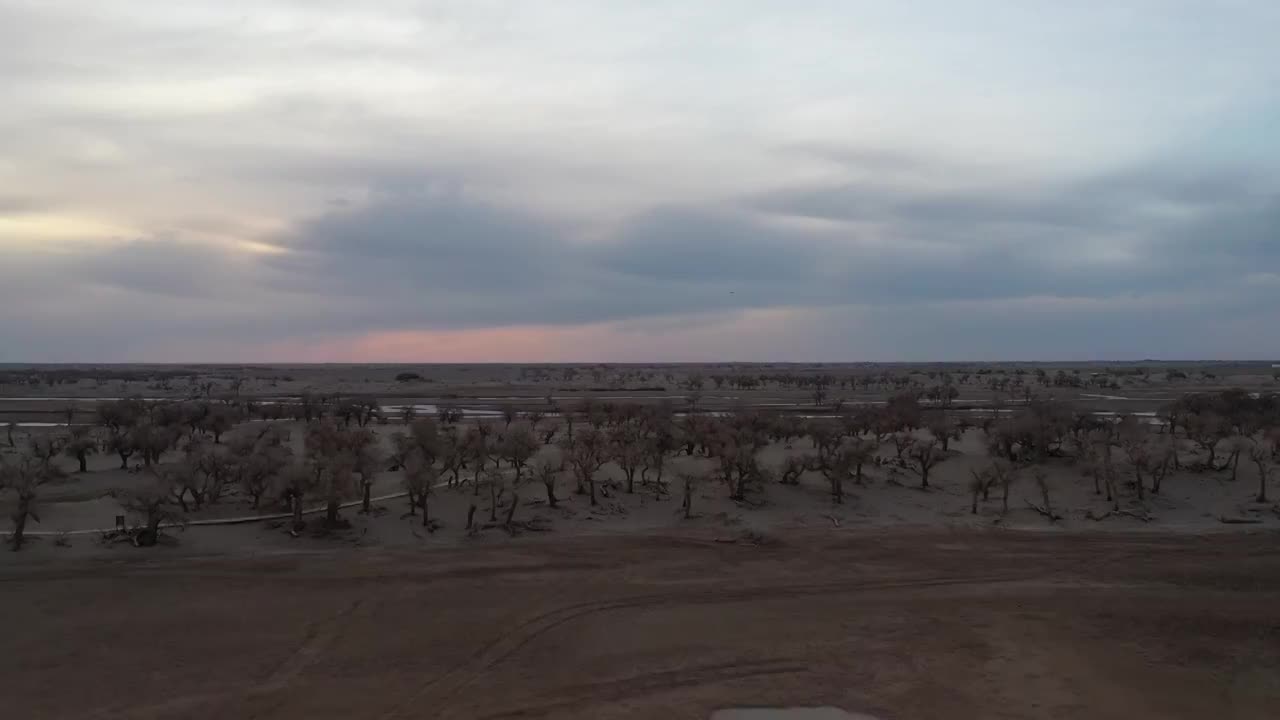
{"x":580,"y":180}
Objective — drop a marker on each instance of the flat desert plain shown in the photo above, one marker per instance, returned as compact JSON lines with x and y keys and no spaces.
{"x":915,"y":624}
{"x":893,"y":600}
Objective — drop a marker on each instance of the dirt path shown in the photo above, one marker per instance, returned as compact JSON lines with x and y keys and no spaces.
{"x":895,"y":624}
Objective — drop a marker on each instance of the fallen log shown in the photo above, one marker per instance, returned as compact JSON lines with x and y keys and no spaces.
{"x":1053,"y":517}
{"x":1138,"y":516}
{"x":1239,"y":520}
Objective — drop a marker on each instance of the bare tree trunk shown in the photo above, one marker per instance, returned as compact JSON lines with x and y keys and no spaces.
{"x":19,"y":524}
{"x":511,"y":511}
{"x":152,"y":534}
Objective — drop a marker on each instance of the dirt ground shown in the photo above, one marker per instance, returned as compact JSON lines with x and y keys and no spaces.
{"x":899,"y":603}
{"x":898,"y":624}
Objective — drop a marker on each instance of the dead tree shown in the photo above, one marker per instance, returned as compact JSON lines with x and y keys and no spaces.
{"x":518,"y":446}
{"x":1262,"y":453}
{"x":690,"y":485}
{"x":1102,"y":441}
{"x":24,"y":477}
{"x":902,"y":441}
{"x":1004,"y":475}
{"x":420,"y":477}
{"x":511,"y":510}
{"x":1133,"y":440}
{"x":80,"y":446}
{"x":477,"y":448}
{"x":1139,"y":458}
{"x":942,"y":429}
{"x":334,"y":457}
{"x":1042,"y":482}
{"x":922,"y":457}
{"x":155,"y":507}
{"x":795,"y":466}
{"x":545,"y":472}
{"x":655,"y":461}
{"x":586,"y":454}
{"x":494,"y":480}
{"x":1236,"y":446}
{"x":979,"y":483}
{"x":627,"y":449}
{"x":1160,"y":460}
{"x":259,"y":461}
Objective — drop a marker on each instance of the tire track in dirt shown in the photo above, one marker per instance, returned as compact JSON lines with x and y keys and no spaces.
{"x":648,"y":683}
{"x":319,"y":638}
{"x":496,"y":651}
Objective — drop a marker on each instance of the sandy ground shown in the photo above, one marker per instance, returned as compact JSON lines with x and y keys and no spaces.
{"x":897,"y":624}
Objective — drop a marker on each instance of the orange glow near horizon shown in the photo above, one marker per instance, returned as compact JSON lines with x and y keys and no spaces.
{"x":600,"y":342}
{"x":482,"y":345}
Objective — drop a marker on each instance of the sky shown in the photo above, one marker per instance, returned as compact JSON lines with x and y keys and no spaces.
{"x":615,"y":181}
